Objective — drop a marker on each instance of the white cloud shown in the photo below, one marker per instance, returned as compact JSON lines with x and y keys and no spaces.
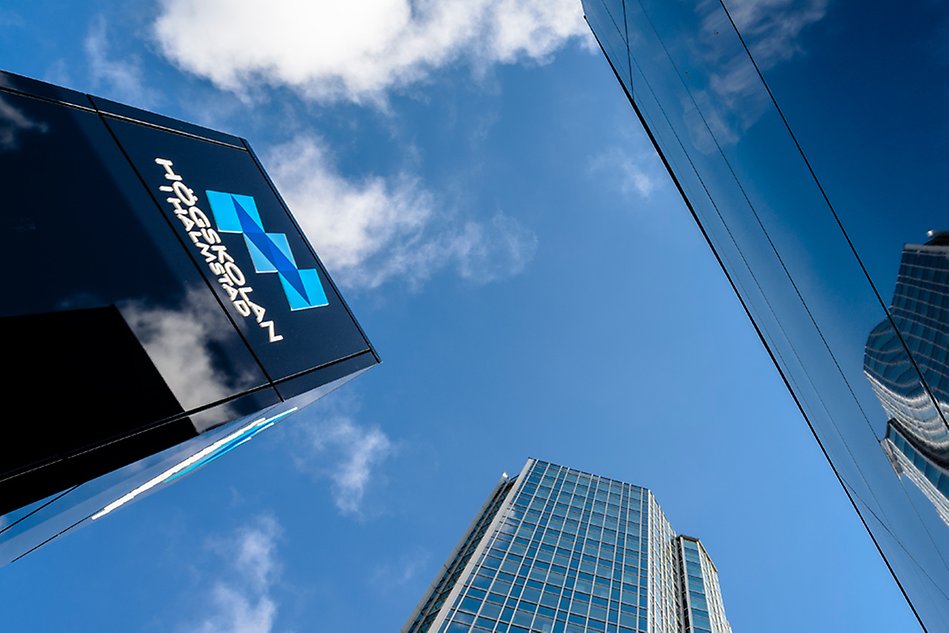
{"x":237,"y":612}
{"x":357,"y":50}
{"x":401,"y":571}
{"x":349,"y":454}
{"x":120,"y":77}
{"x":379,"y":229}
{"x":633,"y":173}
{"x":241,"y":602}
{"x":327,"y":443}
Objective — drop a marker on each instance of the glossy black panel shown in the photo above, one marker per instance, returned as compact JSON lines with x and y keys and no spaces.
{"x":84,"y":234}
{"x":286,"y":340}
{"x":128,"y":392}
{"x":109,"y":329}
{"x":106,"y":106}
{"x":126,"y":355}
{"x":234,"y":409}
{"x":25,"y":85}
{"x":310,"y":380}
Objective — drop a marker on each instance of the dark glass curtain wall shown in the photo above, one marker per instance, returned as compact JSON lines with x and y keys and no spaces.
{"x":809,"y":141}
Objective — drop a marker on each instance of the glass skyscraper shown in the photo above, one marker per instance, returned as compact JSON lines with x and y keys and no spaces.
{"x":558,"y":550}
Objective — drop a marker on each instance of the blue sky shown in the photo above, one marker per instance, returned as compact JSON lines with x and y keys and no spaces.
{"x":478,"y":186}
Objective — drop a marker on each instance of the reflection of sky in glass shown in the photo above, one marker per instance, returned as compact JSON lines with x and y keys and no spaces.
{"x":773,"y":172}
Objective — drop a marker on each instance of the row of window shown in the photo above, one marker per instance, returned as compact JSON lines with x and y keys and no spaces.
{"x":583,"y":532}
{"x":543,"y":599}
{"x":608,"y":539}
{"x":595,"y":521}
{"x":597,"y":496}
{"x":540,"y":625}
{"x":562,"y":559}
{"x":592,"y":541}
{"x":570,"y":475}
{"x":624,"y":583}
{"x":567,"y":508}
{"x":489,"y":615}
{"x":578,"y":497}
{"x":623,"y":597}
{"x":513,"y":555}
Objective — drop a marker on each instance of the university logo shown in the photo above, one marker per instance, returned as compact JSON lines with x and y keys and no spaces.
{"x":270,"y":252}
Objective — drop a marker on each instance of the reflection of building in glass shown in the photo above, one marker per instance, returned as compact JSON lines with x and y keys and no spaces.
{"x":718,"y":88}
{"x":917,"y":438}
{"x":930,"y":478}
{"x":559,"y":550}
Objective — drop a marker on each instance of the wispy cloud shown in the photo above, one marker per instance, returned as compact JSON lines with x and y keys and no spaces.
{"x":356,"y":451}
{"x":634,"y":173}
{"x":329,"y":444}
{"x":772,"y":27}
{"x":401,"y":571}
{"x":119,"y":77}
{"x":374,"y":230}
{"x":241,"y":600}
{"x":357,"y":51}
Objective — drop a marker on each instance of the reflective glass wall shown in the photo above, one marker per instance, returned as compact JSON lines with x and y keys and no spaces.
{"x":810,"y":148}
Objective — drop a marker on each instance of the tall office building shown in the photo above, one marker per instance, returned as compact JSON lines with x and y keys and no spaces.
{"x":917,"y":439}
{"x":789,"y":132}
{"x":558,"y":550}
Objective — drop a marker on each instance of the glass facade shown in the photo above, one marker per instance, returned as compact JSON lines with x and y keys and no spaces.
{"x":819,"y":185}
{"x":160,"y":307}
{"x":560,"y":550}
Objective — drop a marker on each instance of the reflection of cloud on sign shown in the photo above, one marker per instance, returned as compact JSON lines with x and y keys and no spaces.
{"x":179,"y":342}
{"x":13,"y":123}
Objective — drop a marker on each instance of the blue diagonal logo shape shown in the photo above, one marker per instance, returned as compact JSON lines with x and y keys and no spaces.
{"x":270,"y":252}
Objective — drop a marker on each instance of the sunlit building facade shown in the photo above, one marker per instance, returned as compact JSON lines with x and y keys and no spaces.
{"x":558,"y":550}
